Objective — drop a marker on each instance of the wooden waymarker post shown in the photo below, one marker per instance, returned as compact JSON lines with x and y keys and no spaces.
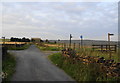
{"x":81,"y":41}
{"x":70,"y":41}
{"x":109,"y":44}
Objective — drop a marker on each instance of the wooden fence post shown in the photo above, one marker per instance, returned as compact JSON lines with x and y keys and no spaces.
{"x":79,"y":46}
{"x":74,"y":46}
{"x":65,"y":45}
{"x":106,"y":48}
{"x":101,"y":48}
{"x":115,"y":47}
{"x":93,"y":47}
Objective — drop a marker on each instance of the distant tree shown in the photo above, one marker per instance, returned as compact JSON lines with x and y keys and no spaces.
{"x":11,"y":39}
{"x":46,"y":40}
{"x":58,"y":39}
{"x":41,"y":41}
{"x":32,"y":40}
{"x":23,"y":39}
{"x":19,"y":39}
{"x":27,"y":40}
{"x":55,"y":42}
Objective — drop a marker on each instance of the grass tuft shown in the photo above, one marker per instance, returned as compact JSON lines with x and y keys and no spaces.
{"x":8,"y":67}
{"x":47,"y":48}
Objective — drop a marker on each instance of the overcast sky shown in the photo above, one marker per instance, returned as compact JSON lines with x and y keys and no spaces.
{"x":56,"y":20}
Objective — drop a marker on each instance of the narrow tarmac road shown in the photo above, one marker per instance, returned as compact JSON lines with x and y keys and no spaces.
{"x":33,"y":65}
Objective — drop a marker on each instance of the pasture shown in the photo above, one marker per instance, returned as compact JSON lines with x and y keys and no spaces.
{"x":83,"y":51}
{"x":85,"y":64}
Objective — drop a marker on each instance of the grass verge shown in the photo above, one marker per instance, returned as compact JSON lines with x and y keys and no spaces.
{"x":78,"y":70}
{"x":48,"y":48}
{"x":8,"y":67}
{"x":6,"y":40}
{"x":19,"y":48}
{"x":90,"y":52}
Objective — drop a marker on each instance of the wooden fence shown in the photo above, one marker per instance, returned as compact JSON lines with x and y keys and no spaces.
{"x":73,"y":45}
{"x":105,"y":48}
{"x":102,"y":48}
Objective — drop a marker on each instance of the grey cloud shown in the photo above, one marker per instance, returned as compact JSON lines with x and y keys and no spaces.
{"x":55,"y":20}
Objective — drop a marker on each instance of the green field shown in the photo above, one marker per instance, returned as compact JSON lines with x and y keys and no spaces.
{"x":85,"y":51}
{"x":19,"y":48}
{"x":49,"y":48}
{"x":6,"y":40}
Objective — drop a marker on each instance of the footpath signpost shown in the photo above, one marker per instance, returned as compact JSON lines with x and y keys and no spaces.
{"x":81,"y":41}
{"x":70,"y":41}
{"x":109,"y":34}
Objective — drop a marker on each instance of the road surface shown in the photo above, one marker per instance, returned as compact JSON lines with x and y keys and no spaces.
{"x":33,"y":65}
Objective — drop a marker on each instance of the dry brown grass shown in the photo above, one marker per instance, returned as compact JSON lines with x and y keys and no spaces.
{"x":53,"y":45}
{"x":13,"y":42}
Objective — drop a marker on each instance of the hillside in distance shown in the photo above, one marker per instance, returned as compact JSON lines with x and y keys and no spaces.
{"x":87,"y":42}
